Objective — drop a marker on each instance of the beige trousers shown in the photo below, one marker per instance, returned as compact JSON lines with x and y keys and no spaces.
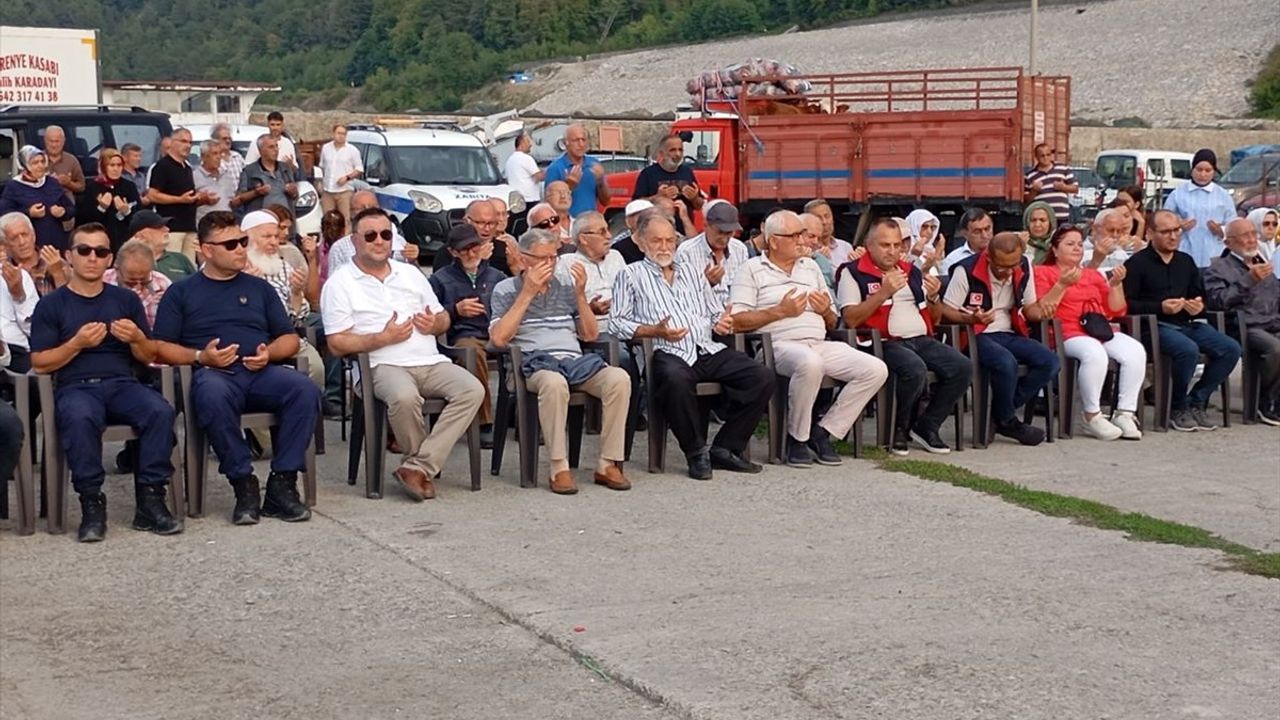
{"x":340,"y":201}
{"x":482,"y":374}
{"x":612,"y":385}
{"x":806,"y":362}
{"x":403,"y":390}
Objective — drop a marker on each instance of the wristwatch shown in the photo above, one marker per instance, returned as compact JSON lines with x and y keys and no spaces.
{"x":195,"y":362}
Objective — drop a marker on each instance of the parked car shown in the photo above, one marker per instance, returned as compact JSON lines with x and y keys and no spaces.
{"x":520,"y":77}
{"x":1158,"y":172}
{"x":88,"y":130}
{"x":1088,"y":199}
{"x":425,"y":178}
{"x":1255,"y":181}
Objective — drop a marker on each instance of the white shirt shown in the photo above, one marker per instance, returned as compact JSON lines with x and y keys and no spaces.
{"x":905,"y":320}
{"x":342,"y":251}
{"x":955,"y":256}
{"x":600,"y":275}
{"x":15,"y":318}
{"x":760,"y":284}
{"x":696,"y":251}
{"x":287,"y":152}
{"x":1001,"y":299}
{"x":520,"y":169}
{"x":840,"y":250}
{"x":1117,"y":257}
{"x":357,"y":302}
{"x":335,"y":162}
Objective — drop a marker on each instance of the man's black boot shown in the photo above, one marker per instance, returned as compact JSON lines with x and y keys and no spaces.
{"x":93,"y":517}
{"x":282,"y":499}
{"x":248,"y":500}
{"x":152,"y":513}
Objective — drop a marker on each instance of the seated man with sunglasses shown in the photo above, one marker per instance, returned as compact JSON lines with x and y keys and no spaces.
{"x":545,"y":312}
{"x":93,"y":336}
{"x":233,"y":328}
{"x":387,"y":309}
{"x":995,"y":292}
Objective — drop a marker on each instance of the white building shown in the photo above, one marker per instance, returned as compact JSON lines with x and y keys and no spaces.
{"x":194,"y":102}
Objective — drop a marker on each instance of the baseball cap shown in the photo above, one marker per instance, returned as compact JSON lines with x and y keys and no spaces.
{"x":637,"y":206}
{"x":463,"y":236}
{"x":146,"y":219}
{"x":724,"y":216}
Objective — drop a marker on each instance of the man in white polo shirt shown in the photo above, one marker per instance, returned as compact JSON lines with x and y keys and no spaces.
{"x":784,"y":294}
{"x":340,"y":164}
{"x":523,"y":172}
{"x":387,"y":309}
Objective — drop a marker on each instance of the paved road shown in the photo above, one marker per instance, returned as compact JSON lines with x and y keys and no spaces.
{"x":792,"y":594}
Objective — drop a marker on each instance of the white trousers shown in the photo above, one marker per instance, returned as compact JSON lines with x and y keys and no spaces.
{"x":806,"y":363}
{"x":1092,"y":373}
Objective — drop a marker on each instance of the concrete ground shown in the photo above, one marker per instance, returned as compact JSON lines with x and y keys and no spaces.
{"x":821,"y":593}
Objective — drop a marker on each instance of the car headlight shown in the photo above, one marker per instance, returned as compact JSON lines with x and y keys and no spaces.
{"x":515,"y":202}
{"x":425,"y":202}
{"x":307,"y":199}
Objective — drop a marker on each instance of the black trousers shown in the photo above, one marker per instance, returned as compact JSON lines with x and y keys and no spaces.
{"x":746,"y":385}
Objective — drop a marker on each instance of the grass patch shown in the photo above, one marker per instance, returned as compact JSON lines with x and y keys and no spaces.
{"x":1136,"y":526}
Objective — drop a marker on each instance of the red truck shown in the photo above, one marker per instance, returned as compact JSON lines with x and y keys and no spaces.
{"x":876,"y":144}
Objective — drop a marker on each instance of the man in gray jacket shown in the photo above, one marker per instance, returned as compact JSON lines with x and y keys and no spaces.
{"x":1240,"y":279}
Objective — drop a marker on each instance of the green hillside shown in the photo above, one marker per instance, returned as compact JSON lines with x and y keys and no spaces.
{"x":401,"y":54}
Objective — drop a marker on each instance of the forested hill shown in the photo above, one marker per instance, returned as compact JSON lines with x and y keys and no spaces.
{"x":403,"y":54}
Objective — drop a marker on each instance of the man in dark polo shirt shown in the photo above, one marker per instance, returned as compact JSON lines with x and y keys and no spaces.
{"x":670,"y":177}
{"x":92,"y":336}
{"x":173,"y":193}
{"x":233,"y":328}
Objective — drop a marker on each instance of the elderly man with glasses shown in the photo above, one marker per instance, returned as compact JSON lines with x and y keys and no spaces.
{"x":232,"y":162}
{"x":233,"y":328}
{"x":388,"y":310}
{"x":784,"y":293}
{"x":497,"y":247}
{"x":995,"y":292}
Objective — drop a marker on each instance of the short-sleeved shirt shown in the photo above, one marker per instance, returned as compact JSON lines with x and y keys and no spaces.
{"x":223,"y":185}
{"x":1202,"y":204}
{"x":760,"y":284}
{"x":696,"y":251}
{"x":288,"y":153}
{"x":905,"y":320}
{"x":174,"y":178}
{"x":551,"y":322}
{"x":354,"y":301}
{"x":150,"y":294}
{"x":584,"y":195}
{"x":654,"y":177}
{"x":600,"y":275}
{"x":957,"y":297}
{"x":254,"y":175}
{"x":60,"y":315}
{"x":243,"y":310}
{"x":336,"y":162}
{"x":175,"y":265}
{"x":520,"y":169}
{"x":1041,"y":183}
{"x":840,"y":251}
{"x":67,"y":164}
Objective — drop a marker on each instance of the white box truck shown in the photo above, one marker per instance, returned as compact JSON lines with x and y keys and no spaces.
{"x":48,"y":66}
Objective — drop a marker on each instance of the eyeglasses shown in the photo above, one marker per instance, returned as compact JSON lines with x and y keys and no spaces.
{"x":87,"y":250}
{"x":788,"y":236}
{"x":548,"y":223}
{"x":597,"y":233}
{"x":242,"y":241}
{"x":374,"y":235}
{"x":483,"y":223}
{"x":1268,"y":224}
{"x":538,"y":258}
{"x":1166,"y":231}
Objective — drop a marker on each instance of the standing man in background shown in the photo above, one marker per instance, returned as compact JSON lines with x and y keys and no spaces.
{"x":523,"y":172}
{"x":1051,"y":182}
{"x":275,"y":129}
{"x":671,"y":178}
{"x":340,"y":164}
{"x":584,"y":175}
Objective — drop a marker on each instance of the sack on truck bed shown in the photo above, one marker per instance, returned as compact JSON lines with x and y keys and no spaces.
{"x":728,"y":84}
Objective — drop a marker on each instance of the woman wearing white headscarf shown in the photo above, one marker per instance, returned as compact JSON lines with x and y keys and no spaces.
{"x":43,"y":201}
{"x":1266,"y":221}
{"x":266,"y":262}
{"x":928,"y":245}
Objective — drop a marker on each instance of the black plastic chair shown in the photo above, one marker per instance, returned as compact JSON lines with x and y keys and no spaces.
{"x":886,"y":399}
{"x":657,"y":418}
{"x":983,"y":423}
{"x":24,"y":476}
{"x":1162,"y":372}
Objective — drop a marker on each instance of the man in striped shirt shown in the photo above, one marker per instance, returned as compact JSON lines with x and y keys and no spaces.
{"x":1052,"y":183}
{"x":672,"y":302}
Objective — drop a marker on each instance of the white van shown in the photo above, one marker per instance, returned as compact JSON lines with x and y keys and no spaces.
{"x":1158,"y":172}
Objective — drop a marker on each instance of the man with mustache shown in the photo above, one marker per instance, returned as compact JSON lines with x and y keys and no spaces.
{"x":671,"y":178}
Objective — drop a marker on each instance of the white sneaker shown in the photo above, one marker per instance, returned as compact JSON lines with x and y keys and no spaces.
{"x":1128,"y":425}
{"x":1101,"y":428}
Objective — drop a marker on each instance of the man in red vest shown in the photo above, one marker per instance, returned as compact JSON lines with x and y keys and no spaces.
{"x":993,"y":292}
{"x":882,"y":291}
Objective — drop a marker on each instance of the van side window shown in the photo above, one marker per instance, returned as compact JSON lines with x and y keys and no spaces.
{"x":1155,"y":168}
{"x":1181,"y":169}
{"x":375,"y":163}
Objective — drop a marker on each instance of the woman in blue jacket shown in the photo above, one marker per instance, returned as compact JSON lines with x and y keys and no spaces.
{"x":33,"y":194}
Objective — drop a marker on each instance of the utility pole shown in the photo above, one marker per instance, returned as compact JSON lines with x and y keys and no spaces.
{"x":1035,"y":27}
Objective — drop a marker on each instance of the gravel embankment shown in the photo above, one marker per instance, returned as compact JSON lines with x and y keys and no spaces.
{"x":1169,"y":62}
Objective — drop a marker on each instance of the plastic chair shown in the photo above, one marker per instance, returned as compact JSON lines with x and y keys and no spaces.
{"x":658,"y":419}
{"x":886,"y":399}
{"x":25,"y":474}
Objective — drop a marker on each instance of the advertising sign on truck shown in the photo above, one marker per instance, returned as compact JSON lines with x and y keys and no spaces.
{"x":48,"y":66}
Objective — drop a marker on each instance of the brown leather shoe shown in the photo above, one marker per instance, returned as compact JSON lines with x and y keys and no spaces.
{"x":613,"y":478}
{"x":562,"y":483}
{"x":414,"y":482}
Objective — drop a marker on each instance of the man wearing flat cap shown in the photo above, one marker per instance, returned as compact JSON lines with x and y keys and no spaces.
{"x":716,"y":252}
{"x":1204,"y":208}
{"x":151,"y":227}
{"x":464,"y":288}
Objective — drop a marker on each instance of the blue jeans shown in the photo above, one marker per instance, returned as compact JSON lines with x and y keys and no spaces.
{"x":1000,"y":354}
{"x":1182,"y":345}
{"x":85,"y":409}
{"x":220,"y":396}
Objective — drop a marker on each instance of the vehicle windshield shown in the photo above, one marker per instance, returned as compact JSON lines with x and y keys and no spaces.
{"x":444,"y":165}
{"x":1085,"y":177}
{"x":1249,"y":170}
{"x":1117,"y":170}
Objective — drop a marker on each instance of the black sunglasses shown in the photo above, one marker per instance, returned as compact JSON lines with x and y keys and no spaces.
{"x":548,"y":223}
{"x":87,"y":250}
{"x":242,"y":241}
{"x":372,"y":235}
